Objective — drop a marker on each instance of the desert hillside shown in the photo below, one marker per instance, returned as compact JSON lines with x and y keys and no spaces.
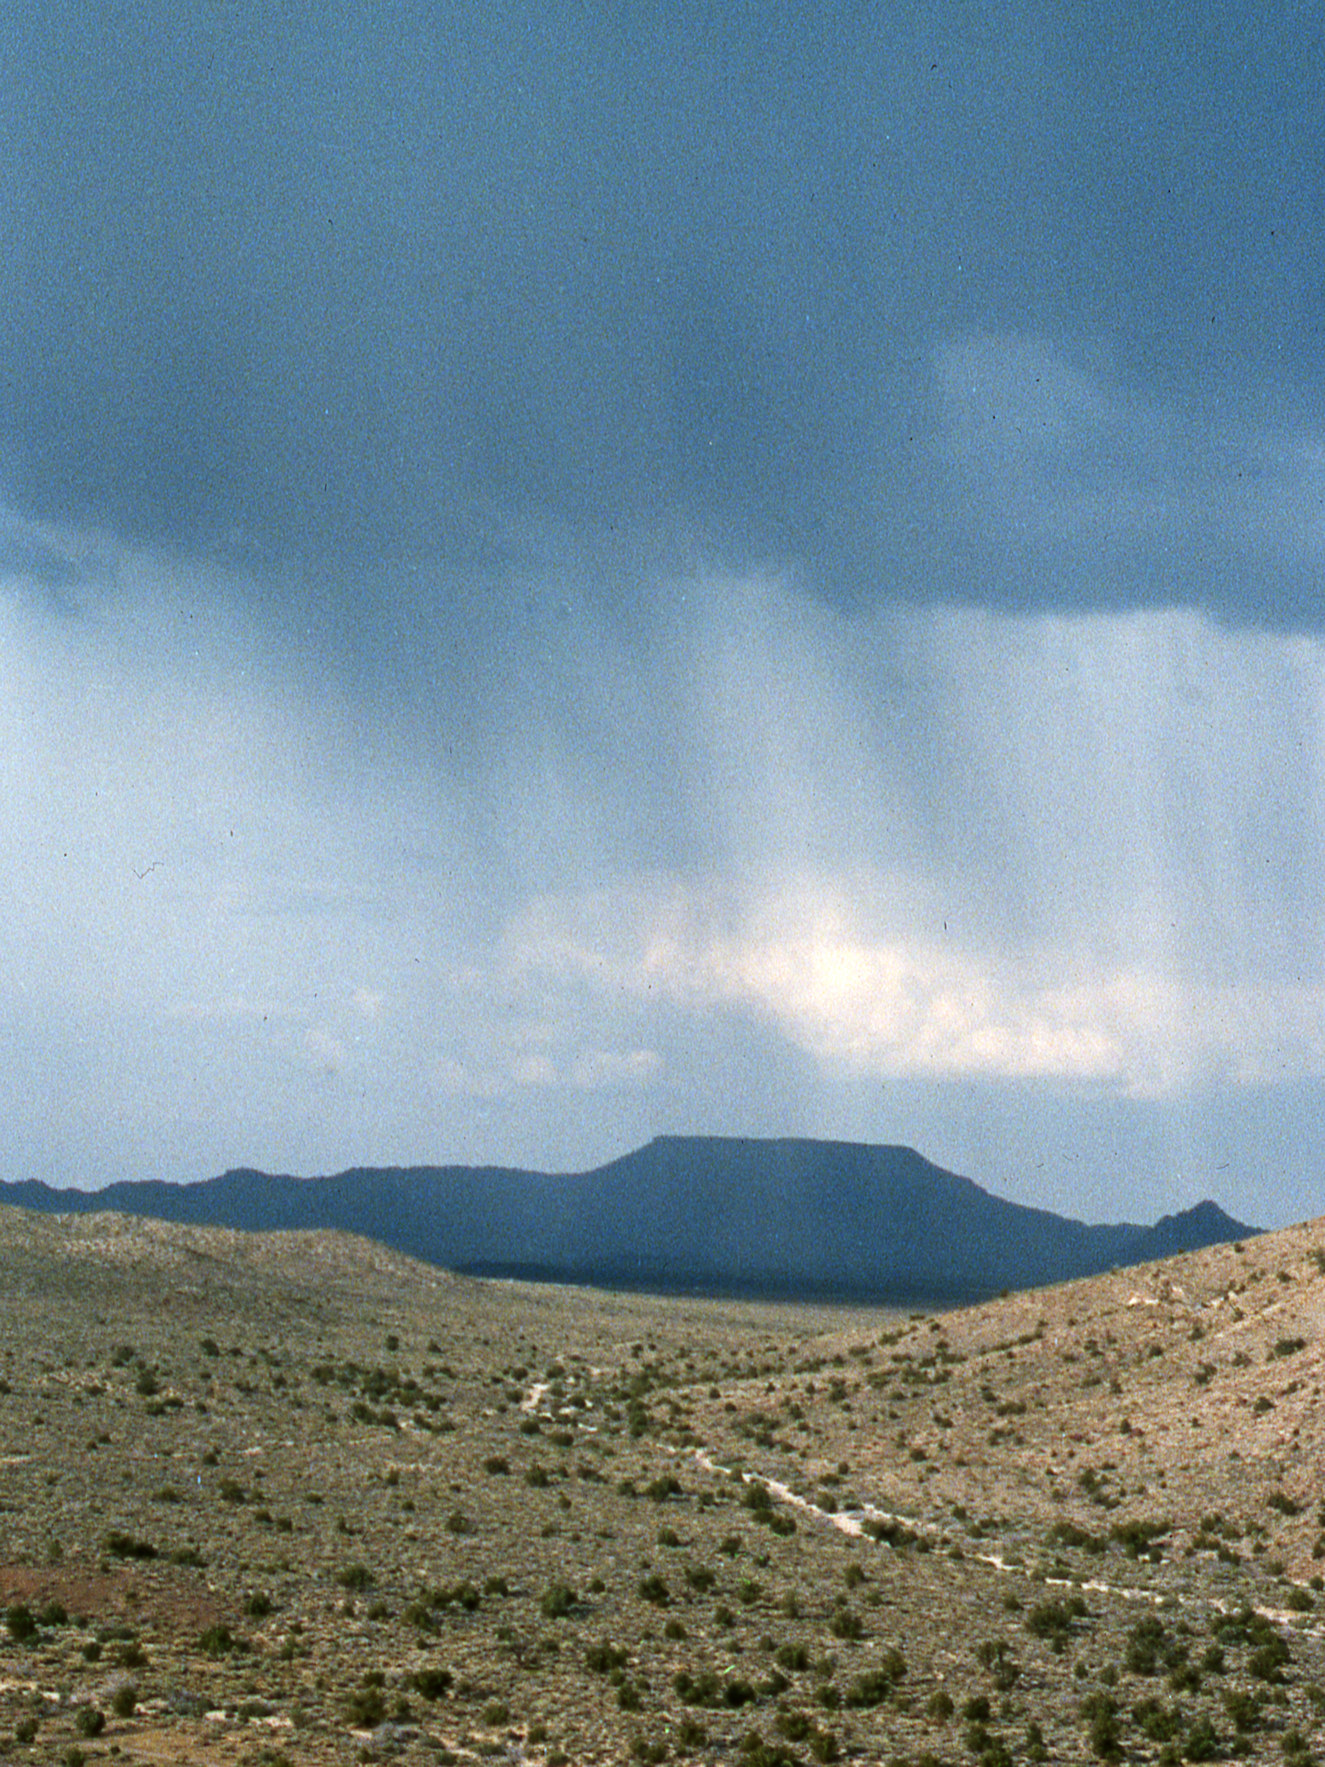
{"x":294,"y":1498}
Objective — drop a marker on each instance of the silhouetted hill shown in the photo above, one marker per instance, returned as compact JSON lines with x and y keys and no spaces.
{"x":687,"y":1212}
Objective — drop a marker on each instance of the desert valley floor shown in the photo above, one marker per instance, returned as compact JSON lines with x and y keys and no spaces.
{"x":293,"y":1498}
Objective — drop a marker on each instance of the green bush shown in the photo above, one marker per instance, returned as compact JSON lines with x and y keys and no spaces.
{"x":1202,"y":1742}
{"x":557,"y":1601}
{"x":1157,"y":1721}
{"x":21,"y":1623}
{"x":365,"y":1708}
{"x":431,"y":1683}
{"x":219,"y":1641}
{"x":1051,"y":1622}
{"x":121,"y":1545}
{"x":1100,"y":1712}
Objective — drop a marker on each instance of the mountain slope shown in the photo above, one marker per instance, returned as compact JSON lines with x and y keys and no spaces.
{"x":686,"y":1211}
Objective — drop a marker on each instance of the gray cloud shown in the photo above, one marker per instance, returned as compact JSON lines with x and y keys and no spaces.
{"x":378,"y":287}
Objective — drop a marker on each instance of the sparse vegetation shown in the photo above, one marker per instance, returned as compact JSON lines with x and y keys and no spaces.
{"x":534,"y":1523}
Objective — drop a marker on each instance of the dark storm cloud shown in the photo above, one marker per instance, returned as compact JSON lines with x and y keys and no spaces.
{"x":331,"y":282}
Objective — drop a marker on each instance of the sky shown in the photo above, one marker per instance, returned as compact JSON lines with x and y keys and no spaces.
{"x":570,"y":573}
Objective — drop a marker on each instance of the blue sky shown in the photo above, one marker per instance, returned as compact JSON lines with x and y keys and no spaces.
{"x":584,"y":572}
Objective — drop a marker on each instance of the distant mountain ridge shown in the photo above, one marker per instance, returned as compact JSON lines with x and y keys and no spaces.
{"x":706,"y":1213}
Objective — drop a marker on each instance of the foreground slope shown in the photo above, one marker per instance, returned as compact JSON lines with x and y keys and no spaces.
{"x":295,"y":1498}
{"x":712,"y":1212}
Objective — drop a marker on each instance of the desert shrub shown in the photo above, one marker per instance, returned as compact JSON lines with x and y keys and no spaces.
{"x":1184,"y":1677}
{"x":870,"y":1689}
{"x":54,"y":1614}
{"x":365,"y":1708}
{"x":795,"y":1726}
{"x":1157,"y":1721}
{"x":795,"y":1657}
{"x":940,"y":1706}
{"x":88,"y":1721}
{"x":124,"y":1700}
{"x":700,"y":1578}
{"x":431,"y":1683}
{"x":1141,"y":1538}
{"x":463,"y":1594}
{"x":1268,"y":1660}
{"x":845,"y":1623}
{"x":259,"y":1605}
{"x":652,"y":1588}
{"x":1067,"y":1533}
{"x":994,"y":1654}
{"x":354,"y":1576}
{"x":1100,"y":1713}
{"x":1243,"y":1709}
{"x":219,"y":1641}
{"x":121,"y":1545}
{"x":663,"y":1487}
{"x":556,"y":1601}
{"x":894,"y":1534}
{"x":20,"y":1622}
{"x":1283,"y":1503}
{"x":1202,"y":1741}
{"x":1147,"y":1641}
{"x":1051,"y":1622}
